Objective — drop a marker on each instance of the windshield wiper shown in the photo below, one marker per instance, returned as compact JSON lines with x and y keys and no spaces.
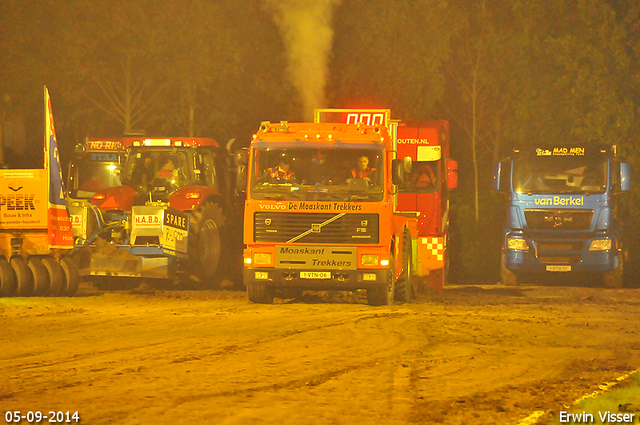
{"x":277,"y":196}
{"x":359,"y":197}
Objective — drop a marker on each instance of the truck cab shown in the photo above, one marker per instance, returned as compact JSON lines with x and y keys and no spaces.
{"x":319,"y":212}
{"x":561,"y":213}
{"x":94,"y":166}
{"x":425,"y":192}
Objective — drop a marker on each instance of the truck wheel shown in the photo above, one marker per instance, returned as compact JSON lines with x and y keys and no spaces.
{"x":614,"y":278}
{"x":8,"y":284}
{"x":56,"y":275}
{"x":507,"y":277}
{"x":260,"y":293}
{"x":41,"y":280}
{"x":71,"y":275}
{"x":383,"y":294}
{"x":206,"y":251}
{"x":404,"y":287}
{"x":24,"y":278}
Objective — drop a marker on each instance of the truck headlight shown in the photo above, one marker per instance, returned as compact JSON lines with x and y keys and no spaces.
{"x":600,"y":245}
{"x":262,"y":258}
{"x":517,"y":244}
{"x":369,"y":260}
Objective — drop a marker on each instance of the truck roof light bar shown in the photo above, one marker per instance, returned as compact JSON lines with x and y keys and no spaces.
{"x":157,"y":142}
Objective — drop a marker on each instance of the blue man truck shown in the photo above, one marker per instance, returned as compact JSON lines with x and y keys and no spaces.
{"x":561,"y":213}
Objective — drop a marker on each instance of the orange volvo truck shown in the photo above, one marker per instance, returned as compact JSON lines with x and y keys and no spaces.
{"x":320,"y":211}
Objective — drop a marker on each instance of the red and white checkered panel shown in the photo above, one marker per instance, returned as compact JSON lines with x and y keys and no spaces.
{"x":436,"y":246}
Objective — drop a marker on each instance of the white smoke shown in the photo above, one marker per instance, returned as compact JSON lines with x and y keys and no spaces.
{"x":306,"y":29}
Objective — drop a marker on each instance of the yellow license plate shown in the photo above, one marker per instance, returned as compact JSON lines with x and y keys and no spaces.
{"x":558,"y":268}
{"x":315,"y":275}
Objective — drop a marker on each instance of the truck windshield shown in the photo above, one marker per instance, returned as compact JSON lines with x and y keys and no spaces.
{"x":87,"y":177}
{"x":560,"y":174}
{"x":159,"y":170}
{"x":423,"y":178}
{"x":344,"y":173}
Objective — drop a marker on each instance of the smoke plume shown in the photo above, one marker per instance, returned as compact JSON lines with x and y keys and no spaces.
{"x":306,"y":29}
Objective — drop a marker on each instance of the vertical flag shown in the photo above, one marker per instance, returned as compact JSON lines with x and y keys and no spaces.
{"x":58,"y":224}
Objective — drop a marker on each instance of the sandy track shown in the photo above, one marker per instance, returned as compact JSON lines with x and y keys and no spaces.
{"x":477,"y":354}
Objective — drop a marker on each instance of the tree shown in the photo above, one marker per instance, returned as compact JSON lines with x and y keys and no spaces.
{"x":390,"y":55}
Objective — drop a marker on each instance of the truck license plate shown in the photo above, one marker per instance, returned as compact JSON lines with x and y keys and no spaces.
{"x":315,"y":275}
{"x":558,"y":268}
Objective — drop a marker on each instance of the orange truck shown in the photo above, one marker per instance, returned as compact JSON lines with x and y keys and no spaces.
{"x":321,"y":210}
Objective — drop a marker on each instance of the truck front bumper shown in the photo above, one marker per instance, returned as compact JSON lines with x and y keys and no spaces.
{"x":588,"y":262}
{"x":339,"y":280}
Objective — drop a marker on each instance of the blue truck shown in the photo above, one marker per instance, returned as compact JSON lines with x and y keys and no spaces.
{"x":561,"y":212}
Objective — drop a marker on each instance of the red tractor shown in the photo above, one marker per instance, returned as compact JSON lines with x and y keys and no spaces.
{"x":172,"y":216}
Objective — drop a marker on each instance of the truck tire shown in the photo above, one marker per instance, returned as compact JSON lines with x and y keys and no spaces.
{"x":404,"y":287}
{"x":260,"y":293}
{"x":8,"y":284}
{"x":208,"y":226}
{"x":71,"y":275}
{"x":24,"y":278}
{"x":41,"y":280}
{"x":614,"y":278}
{"x":56,"y":275}
{"x":383,"y":294}
{"x":507,"y":277}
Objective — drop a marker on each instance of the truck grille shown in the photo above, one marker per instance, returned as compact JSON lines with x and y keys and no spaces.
{"x":558,"y":219}
{"x":338,"y":228}
{"x":559,"y":252}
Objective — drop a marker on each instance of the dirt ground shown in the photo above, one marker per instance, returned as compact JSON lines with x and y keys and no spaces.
{"x":470,"y":355}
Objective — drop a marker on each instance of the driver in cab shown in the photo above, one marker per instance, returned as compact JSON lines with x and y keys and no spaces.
{"x":167,"y":169}
{"x":281,"y":173}
{"x":363,"y":171}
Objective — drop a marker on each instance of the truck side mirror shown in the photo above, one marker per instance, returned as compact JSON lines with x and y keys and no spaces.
{"x":452,"y":174}
{"x":408,"y":164}
{"x":498,"y":176}
{"x":625,"y":176}
{"x":241,"y":157}
{"x":501,"y":176}
{"x":397,"y":171}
